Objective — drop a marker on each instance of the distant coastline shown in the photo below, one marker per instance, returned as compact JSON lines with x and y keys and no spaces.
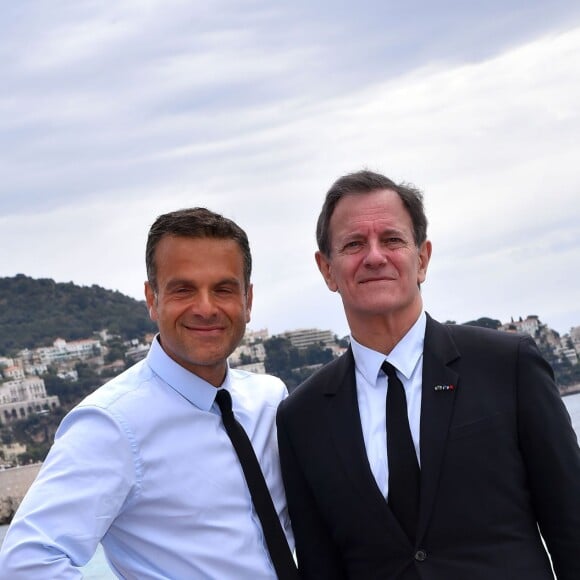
{"x":14,"y":483}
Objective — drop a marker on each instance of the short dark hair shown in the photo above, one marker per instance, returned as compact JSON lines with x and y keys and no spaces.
{"x":196,"y":222}
{"x":367,"y":182}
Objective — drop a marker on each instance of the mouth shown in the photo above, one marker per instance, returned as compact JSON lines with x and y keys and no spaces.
{"x":204,"y":330}
{"x":375,"y":279}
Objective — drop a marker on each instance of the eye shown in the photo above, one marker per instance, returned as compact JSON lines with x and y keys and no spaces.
{"x":225,"y":290}
{"x":394,"y":242}
{"x":352,"y":246}
{"x":181,"y":291}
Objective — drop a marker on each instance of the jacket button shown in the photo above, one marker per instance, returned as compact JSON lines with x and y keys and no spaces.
{"x":420,"y":555}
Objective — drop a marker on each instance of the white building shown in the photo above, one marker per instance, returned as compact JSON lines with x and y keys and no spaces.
{"x":62,"y":350}
{"x":305,"y":337}
{"x":13,"y":373}
{"x":6,"y":362}
{"x":252,"y":336}
{"x":528,"y":326}
{"x":575,"y":336}
{"x":255,"y":352}
{"x":22,"y":397}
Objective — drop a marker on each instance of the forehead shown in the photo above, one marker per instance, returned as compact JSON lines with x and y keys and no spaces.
{"x":382,"y":209}
{"x":176,"y":252}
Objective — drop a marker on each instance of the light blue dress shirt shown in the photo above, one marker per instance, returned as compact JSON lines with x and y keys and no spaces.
{"x":371,"y":388}
{"x":144,"y":466}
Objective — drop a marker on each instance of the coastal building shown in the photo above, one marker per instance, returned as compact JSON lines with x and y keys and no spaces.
{"x":6,"y":361}
{"x":253,"y":336}
{"x":13,"y":373}
{"x":305,"y":337}
{"x":248,"y":353}
{"x":528,"y":326}
{"x":575,"y":337}
{"x":11,"y":451}
{"x":22,"y":397}
{"x":251,"y":351}
{"x":532,"y":326}
{"x":62,"y":350}
{"x":137,"y":352}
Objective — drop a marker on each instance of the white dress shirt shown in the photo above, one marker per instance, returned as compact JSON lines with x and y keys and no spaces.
{"x":371,"y":388}
{"x":144,"y":466}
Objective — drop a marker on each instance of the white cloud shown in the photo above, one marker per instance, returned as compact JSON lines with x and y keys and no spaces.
{"x":214,"y":119}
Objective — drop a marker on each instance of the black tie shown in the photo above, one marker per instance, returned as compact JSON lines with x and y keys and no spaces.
{"x":404,"y":473}
{"x":275,"y":538}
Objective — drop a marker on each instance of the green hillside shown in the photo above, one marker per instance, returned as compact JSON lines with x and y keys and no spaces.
{"x":35,"y":312}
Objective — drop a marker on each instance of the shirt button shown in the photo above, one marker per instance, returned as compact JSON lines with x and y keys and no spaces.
{"x":420,"y":555}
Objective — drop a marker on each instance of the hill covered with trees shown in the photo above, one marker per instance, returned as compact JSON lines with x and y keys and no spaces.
{"x":34,"y":312}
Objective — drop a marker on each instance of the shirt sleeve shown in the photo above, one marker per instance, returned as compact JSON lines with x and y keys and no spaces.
{"x":84,"y":483}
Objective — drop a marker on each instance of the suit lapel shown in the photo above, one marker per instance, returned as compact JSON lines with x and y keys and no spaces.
{"x":343,"y":420}
{"x":436,"y":412}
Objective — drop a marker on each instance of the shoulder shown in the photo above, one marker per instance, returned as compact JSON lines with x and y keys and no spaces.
{"x":263,"y":386}
{"x":465,"y":335}
{"x":132,"y":401}
{"x":106,"y":422}
{"x":324,"y":381}
{"x":481,"y":348}
{"x":121,"y":389}
{"x":335,"y":368}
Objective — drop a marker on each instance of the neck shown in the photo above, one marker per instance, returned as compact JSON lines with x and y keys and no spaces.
{"x":383,"y":332}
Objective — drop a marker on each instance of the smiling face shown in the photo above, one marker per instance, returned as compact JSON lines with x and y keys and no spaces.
{"x":201,"y":305}
{"x":374,"y":263}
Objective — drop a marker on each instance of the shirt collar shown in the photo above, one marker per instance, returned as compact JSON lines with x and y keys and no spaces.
{"x":193,"y":388}
{"x":404,"y":357}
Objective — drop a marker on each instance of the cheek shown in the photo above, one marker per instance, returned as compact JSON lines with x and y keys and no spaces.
{"x":167,"y":313}
{"x":347,"y":272}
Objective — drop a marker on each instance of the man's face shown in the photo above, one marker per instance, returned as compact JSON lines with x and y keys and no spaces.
{"x":201,"y":305}
{"x":374,"y":263}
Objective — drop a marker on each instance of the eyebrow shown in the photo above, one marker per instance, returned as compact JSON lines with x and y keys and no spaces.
{"x":175,"y":283}
{"x":386,"y":231}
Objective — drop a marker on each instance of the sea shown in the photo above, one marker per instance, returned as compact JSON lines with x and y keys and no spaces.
{"x":98,"y":569}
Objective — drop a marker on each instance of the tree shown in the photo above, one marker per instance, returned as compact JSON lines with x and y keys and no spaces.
{"x":485,"y":322}
{"x":115,"y":351}
{"x":36,"y":312}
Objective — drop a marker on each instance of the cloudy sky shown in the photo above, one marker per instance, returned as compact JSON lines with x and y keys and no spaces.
{"x":112,"y":113}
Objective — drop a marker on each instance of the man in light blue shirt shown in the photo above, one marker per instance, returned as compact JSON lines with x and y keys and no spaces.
{"x":143,"y":465}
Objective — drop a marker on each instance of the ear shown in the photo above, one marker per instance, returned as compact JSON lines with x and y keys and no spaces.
{"x":249,"y":302}
{"x":151,"y":301}
{"x":424,"y":257}
{"x":325,"y":268}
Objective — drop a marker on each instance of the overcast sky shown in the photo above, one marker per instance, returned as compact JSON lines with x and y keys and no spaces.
{"x":112,"y":113}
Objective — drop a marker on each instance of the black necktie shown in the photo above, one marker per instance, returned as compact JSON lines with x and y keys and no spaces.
{"x":404,"y":473}
{"x":275,"y":538}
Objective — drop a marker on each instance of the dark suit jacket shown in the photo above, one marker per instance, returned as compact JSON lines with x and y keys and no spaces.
{"x":498,"y":458}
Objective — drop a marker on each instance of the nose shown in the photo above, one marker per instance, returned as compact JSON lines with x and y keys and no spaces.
{"x":203,"y":305}
{"x":375,"y":255}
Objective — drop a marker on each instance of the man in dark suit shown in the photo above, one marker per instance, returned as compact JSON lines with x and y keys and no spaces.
{"x":456,"y":478}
